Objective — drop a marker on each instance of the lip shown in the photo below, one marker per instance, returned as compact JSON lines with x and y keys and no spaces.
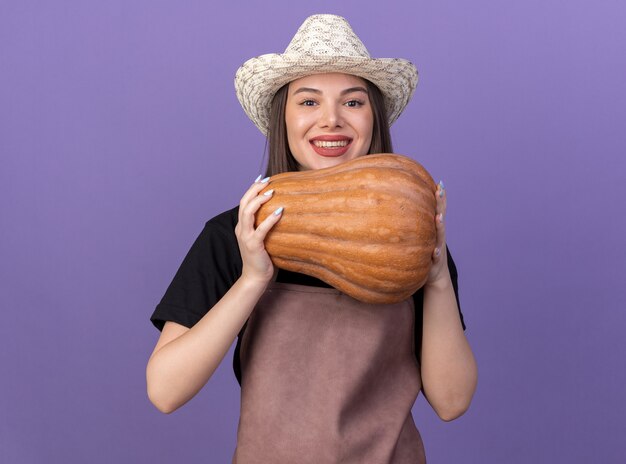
{"x":330,"y":138}
{"x":330,"y":152}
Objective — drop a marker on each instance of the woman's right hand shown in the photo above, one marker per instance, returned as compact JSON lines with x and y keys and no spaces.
{"x":257,"y":265}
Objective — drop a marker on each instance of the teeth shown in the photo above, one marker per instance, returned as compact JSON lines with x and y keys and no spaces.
{"x":323,"y":144}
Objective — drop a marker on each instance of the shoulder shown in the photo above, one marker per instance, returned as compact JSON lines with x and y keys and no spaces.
{"x":216,"y":247}
{"x":220,"y":229}
{"x":210,"y":268}
{"x":223,"y":223}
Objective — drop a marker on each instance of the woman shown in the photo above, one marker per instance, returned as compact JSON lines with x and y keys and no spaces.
{"x":324,"y":377}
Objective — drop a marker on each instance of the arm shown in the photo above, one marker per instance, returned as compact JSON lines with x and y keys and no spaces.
{"x":448,"y":368}
{"x":184,"y":359}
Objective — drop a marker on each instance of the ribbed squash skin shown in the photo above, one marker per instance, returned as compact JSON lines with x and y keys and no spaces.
{"x":366,"y":227}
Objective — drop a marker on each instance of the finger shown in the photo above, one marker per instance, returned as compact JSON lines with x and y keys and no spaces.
{"x":439,"y":253}
{"x":440,"y":194}
{"x":267,"y":224}
{"x":445,"y":199}
{"x":441,"y":229}
{"x":440,"y":236}
{"x":252,"y":192}
{"x":440,"y":240}
{"x":249,"y":211}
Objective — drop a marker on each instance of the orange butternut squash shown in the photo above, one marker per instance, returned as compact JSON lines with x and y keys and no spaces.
{"x":366,"y":227}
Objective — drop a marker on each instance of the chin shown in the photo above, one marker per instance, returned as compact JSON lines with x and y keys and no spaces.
{"x":329,"y":162}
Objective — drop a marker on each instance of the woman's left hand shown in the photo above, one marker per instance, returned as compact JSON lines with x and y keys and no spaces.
{"x":439,"y":268}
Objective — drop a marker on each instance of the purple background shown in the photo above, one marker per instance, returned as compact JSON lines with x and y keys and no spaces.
{"x":120,"y":135}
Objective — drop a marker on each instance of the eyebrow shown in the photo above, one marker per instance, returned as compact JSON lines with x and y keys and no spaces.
{"x":319,"y":92}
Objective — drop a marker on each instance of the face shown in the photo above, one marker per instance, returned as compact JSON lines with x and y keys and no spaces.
{"x":329,"y":119}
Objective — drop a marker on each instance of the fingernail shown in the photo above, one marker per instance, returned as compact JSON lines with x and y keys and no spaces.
{"x":437,"y":251}
{"x":268,"y":193}
{"x":441,"y":184}
{"x":278,"y":211}
{"x":257,"y":179}
{"x":441,"y":218}
{"x":265,"y":180}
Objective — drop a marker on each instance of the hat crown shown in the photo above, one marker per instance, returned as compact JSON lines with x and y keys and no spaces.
{"x":324,"y":43}
{"x":326,"y":35}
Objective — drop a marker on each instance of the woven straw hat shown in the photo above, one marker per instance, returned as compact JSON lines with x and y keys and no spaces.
{"x":324,"y":43}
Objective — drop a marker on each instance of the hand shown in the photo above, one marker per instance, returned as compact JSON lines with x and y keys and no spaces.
{"x":256,"y":262}
{"x":439,"y":268}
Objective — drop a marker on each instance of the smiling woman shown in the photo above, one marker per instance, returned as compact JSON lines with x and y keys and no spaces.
{"x":329,"y":119}
{"x":324,"y":377}
{"x":280,"y":157}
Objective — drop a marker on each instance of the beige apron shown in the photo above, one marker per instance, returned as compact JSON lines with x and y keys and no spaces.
{"x":327,"y":379}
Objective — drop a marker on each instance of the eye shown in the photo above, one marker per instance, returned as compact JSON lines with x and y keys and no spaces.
{"x":354,"y":103}
{"x":308,"y":103}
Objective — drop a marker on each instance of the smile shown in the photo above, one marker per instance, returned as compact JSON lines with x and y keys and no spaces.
{"x":331,"y":148}
{"x":335,"y":144}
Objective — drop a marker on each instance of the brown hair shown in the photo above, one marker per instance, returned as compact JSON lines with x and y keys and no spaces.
{"x":280,"y":157}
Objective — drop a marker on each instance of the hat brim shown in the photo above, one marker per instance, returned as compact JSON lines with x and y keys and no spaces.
{"x":259,"y":78}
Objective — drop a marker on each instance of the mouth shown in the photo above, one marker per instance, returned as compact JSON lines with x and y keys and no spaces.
{"x":330,"y":146}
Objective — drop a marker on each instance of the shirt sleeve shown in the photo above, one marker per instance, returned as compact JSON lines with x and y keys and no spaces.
{"x":209,"y":269}
{"x":454,"y":276}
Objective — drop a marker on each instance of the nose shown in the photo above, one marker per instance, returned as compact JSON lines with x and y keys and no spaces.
{"x":330,"y":117}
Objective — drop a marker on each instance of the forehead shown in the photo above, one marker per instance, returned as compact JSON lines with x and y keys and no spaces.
{"x":328,"y":80}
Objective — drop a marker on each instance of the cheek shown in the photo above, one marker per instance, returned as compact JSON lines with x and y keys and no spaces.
{"x":296,"y":136}
{"x":366,"y":129}
{"x":298,"y":123}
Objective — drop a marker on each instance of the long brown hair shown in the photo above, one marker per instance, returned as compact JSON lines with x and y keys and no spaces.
{"x":280,"y":158}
